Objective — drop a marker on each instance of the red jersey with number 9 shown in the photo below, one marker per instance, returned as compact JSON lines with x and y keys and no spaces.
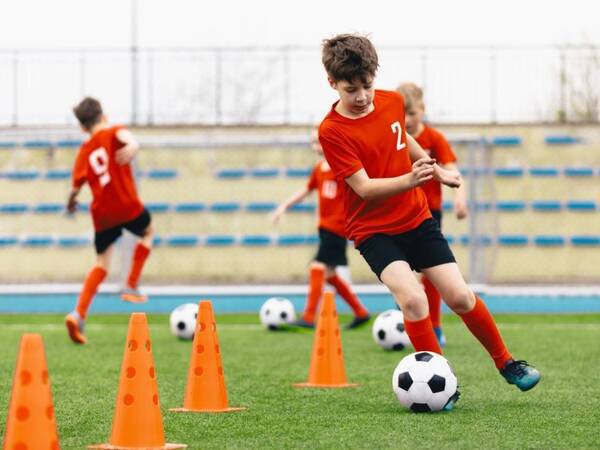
{"x":112,"y":185}
{"x":376,"y":143}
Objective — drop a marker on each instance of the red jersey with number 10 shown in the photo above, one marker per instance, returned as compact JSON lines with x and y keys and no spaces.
{"x":331,"y":201}
{"x":376,"y":143}
{"x":112,"y":185}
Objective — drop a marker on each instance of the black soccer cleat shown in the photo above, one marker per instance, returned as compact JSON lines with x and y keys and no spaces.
{"x":358,"y":321}
{"x":302,"y":323}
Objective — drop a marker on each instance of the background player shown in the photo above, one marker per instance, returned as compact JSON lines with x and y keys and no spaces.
{"x":364,"y":141}
{"x":437,"y":147}
{"x":332,"y":241}
{"x":103,"y":161}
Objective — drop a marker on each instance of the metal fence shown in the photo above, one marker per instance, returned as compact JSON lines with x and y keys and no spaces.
{"x":287,"y":85}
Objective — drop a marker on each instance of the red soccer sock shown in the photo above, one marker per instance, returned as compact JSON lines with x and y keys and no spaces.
{"x":90,"y":287}
{"x":139,"y":258}
{"x":345,"y":290}
{"x":315,"y":291}
{"x":435,"y":303}
{"x":482,"y":325}
{"x":422,"y":336}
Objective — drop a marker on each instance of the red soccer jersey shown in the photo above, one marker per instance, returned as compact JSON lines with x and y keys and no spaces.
{"x":331,"y":202}
{"x":113,"y":188}
{"x":436,"y":146}
{"x":377,"y":143}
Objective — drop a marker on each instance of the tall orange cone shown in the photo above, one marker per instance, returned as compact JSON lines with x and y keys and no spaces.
{"x":137,"y":423}
{"x":327,"y":362}
{"x":205,"y":391}
{"x":30,"y":423}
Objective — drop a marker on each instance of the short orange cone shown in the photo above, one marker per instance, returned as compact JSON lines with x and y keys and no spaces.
{"x":137,"y":423}
{"x":30,"y":423}
{"x":327,"y":362}
{"x":205,"y":391}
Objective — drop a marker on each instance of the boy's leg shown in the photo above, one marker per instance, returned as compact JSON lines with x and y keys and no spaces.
{"x":141,"y":227}
{"x":409,"y":295}
{"x":315,"y":291}
{"x":434,"y":300}
{"x":344,"y":289}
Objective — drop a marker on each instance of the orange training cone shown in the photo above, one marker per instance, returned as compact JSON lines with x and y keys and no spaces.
{"x":30,"y":423}
{"x":205,"y":391}
{"x":327,"y":362}
{"x":137,"y":423}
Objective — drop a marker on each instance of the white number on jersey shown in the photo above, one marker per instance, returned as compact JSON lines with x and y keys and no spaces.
{"x":329,"y":189}
{"x":396,"y":128}
{"x":99,"y":162}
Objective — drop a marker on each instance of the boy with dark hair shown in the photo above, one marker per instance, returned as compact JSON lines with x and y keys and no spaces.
{"x":103,"y":162}
{"x":365,"y":143}
{"x":437,"y":147}
{"x":332,"y":242}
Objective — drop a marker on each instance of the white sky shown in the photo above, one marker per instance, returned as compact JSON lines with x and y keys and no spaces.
{"x":106,"y":23}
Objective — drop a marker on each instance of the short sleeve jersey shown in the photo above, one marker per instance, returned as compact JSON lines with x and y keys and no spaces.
{"x":115,"y":199}
{"x":331,"y":202}
{"x":436,"y":146}
{"x":376,"y":143}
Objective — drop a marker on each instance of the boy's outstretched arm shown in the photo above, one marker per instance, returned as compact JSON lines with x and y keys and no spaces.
{"x":296,"y":197}
{"x":447,"y":177}
{"x":126,"y":153}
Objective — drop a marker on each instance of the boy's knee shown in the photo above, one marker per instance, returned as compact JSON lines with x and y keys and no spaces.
{"x":414,"y":304}
{"x":460,"y":301}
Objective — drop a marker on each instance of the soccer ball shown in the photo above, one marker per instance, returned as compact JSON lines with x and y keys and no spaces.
{"x":424,"y":382}
{"x":388,"y":330}
{"x":183,"y":320}
{"x":277,"y":311}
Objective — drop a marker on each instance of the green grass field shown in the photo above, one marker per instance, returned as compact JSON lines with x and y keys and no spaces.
{"x":260,"y":367}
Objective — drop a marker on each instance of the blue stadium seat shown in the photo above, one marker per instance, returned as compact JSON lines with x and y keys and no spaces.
{"x":447,"y":205}
{"x":579,"y":172}
{"x":69,"y":143}
{"x":6,"y":241}
{"x":585,"y":241}
{"x":298,"y":172}
{"x":264,"y":172}
{"x":183,"y":240}
{"x":484,"y":206}
{"x":14,"y":208}
{"x":549,"y":241}
{"x":190,"y":207}
{"x":217,"y":240}
{"x":158,"y":207}
{"x":83,"y":207}
{"x":546,"y":205}
{"x":450,"y":238}
{"x":581,"y":205}
{"x":303,"y":207}
{"x":157,"y":240}
{"x":512,"y":172}
{"x":225,"y":207}
{"x":513,"y":205}
{"x":544,"y":172}
{"x":513,"y":240}
{"x":48,"y":208}
{"x":22,"y":174}
{"x":58,"y":174}
{"x":260,"y":207}
{"x":558,"y":139}
{"x":37,"y":241}
{"x":291,"y":239}
{"x":312,"y":239}
{"x":506,"y":141}
{"x":73,"y":241}
{"x":464,"y":239}
{"x":256,"y":240}
{"x":231,"y":173}
{"x":161,"y":174}
{"x":8,"y":144}
{"x":37,"y":144}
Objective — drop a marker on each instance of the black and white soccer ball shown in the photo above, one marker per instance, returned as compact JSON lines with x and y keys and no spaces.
{"x":276,"y":312}
{"x":424,"y":382}
{"x":183,"y":320}
{"x":388,"y":330}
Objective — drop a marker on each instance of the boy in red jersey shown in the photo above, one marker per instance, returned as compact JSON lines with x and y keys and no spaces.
{"x":332,"y":243}
{"x":103,"y":162}
{"x":365,"y":143}
{"x":437,"y":147}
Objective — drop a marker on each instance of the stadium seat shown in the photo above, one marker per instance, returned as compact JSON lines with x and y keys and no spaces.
{"x":183,"y":240}
{"x":231,"y":173}
{"x":256,"y":240}
{"x":22,"y":174}
{"x":450,"y":238}
{"x":585,"y":241}
{"x":158,"y":207}
{"x":558,"y":139}
{"x":512,"y":240}
{"x":37,"y":241}
{"x":35,"y":144}
{"x":303,"y":207}
{"x":514,"y":205}
{"x":14,"y":208}
{"x":49,"y":208}
{"x":190,"y":207}
{"x":581,"y":205}
{"x":544,"y":172}
{"x":506,"y":141}
{"x":549,"y":241}
{"x":298,"y":172}
{"x":73,"y":241}
{"x":578,"y":171}
{"x":162,"y":174}
{"x":546,"y":205}
{"x":261,"y":207}
{"x":220,"y":240}
{"x":291,"y":239}
{"x":69,"y":143}
{"x":447,"y":205}
{"x":157,"y":240}
{"x":225,"y":207}
{"x":6,"y":241}
{"x":312,"y":239}
{"x":8,"y":145}
{"x":58,"y":174}
{"x":264,"y":172}
{"x":513,"y":172}
{"x":484,"y":206}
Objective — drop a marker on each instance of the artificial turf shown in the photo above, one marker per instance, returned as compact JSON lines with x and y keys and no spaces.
{"x":260,"y":367}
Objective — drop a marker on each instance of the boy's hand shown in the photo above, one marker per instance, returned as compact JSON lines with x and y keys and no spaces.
{"x":422,"y":171}
{"x":72,"y":204}
{"x":124,"y":155}
{"x":460,"y":208}
{"x":448,"y":177}
{"x":275,"y":215}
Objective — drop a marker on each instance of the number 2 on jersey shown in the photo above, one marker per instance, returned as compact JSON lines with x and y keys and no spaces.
{"x":397,"y":128}
{"x":99,"y":162}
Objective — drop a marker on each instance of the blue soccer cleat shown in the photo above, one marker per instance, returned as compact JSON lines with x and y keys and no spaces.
{"x":440,"y":336}
{"x":449,"y":406}
{"x":521,"y":374}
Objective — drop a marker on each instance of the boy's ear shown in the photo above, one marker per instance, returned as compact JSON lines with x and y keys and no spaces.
{"x":332,"y":82}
